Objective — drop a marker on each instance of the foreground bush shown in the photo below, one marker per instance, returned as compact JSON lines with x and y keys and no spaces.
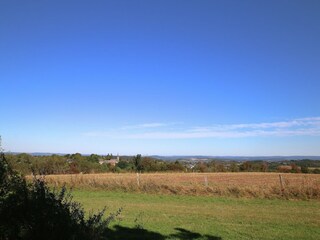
{"x":33,"y":211}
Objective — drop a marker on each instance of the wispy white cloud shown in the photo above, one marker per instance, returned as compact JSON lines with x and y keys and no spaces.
{"x":295,"y":127}
{"x":315,"y":121}
{"x":146,"y":125}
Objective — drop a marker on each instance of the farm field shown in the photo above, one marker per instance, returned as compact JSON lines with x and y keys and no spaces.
{"x":205,"y":217}
{"x":249,"y":185}
{"x":203,"y":205}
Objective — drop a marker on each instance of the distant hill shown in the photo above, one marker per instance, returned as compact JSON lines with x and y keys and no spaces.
{"x":235,"y":158}
{"x":37,"y":153}
{"x":203,"y":157}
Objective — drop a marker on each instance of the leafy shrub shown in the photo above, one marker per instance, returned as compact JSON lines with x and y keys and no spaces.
{"x":33,"y":211}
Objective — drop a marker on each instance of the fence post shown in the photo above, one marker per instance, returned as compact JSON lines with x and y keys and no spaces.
{"x":206,"y":181}
{"x":281,"y":183}
{"x":138,"y":179}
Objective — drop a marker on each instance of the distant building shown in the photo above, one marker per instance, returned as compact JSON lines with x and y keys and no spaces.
{"x":112,"y":162}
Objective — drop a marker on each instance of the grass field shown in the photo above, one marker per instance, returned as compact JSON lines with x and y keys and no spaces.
{"x":252,"y":185}
{"x":203,"y":205}
{"x":204,"y":217}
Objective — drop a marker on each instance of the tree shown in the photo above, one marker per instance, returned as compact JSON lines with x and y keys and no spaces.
{"x":125,"y":165}
{"x":246,"y":166}
{"x":295,"y":168}
{"x":234,"y":167}
{"x":220,"y":167}
{"x":137,"y":162}
{"x":94,"y":158}
{"x":264,"y":167}
{"x":77,"y":156}
{"x":304,"y":169}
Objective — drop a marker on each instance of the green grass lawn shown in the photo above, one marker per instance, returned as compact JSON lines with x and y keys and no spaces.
{"x":228,"y":218}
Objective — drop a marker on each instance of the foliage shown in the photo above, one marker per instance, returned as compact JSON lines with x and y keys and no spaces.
{"x":77,"y":163}
{"x":33,"y":211}
{"x":137,"y":162}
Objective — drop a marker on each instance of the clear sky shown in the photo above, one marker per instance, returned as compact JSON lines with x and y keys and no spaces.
{"x":170,"y":77}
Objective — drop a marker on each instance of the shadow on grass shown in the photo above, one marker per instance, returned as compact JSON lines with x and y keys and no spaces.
{"x":120,"y":232}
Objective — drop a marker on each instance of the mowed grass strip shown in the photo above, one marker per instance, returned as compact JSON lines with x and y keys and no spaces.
{"x":254,"y":185}
{"x":228,"y":218}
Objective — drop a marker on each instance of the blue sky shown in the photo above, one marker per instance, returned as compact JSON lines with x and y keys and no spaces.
{"x":160,"y":77}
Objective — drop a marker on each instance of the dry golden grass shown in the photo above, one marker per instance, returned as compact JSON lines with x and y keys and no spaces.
{"x":260,"y":185}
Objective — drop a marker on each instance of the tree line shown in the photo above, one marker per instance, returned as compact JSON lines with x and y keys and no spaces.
{"x":77,"y":163}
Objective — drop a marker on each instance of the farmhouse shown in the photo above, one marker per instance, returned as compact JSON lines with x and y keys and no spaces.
{"x":112,"y":162}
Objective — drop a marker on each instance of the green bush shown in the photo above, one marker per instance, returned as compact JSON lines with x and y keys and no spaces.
{"x":33,"y":211}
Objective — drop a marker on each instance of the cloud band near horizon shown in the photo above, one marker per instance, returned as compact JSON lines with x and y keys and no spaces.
{"x":295,"y":127}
